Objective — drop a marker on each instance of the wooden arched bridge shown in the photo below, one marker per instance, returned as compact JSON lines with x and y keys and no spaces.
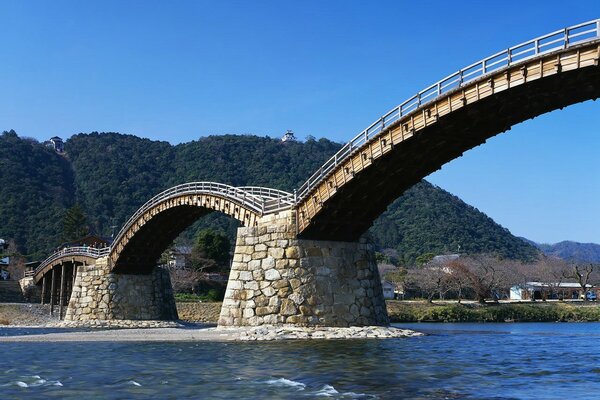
{"x":343,"y":197}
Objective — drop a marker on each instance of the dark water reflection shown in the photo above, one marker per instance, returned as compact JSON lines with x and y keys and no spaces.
{"x":456,"y":361}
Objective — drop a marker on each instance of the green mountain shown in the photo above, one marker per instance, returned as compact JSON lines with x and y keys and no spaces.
{"x":427,"y":219}
{"x":110,"y":175}
{"x":36,"y":186}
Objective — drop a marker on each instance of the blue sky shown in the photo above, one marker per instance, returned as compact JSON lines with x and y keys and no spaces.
{"x":180,"y":70}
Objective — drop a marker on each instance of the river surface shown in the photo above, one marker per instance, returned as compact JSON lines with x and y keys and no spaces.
{"x":455,"y":361}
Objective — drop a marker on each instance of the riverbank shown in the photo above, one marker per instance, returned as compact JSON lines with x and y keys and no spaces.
{"x":29,"y":314}
{"x":201,"y":332}
{"x":409,"y":311}
{"x":23,"y":314}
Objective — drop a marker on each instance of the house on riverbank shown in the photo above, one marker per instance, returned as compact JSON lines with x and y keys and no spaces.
{"x":547,"y":290}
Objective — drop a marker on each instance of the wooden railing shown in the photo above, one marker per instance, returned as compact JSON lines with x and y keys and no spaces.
{"x":558,"y":40}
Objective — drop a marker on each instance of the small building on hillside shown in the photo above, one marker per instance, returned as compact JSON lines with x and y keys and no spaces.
{"x":543,"y":290}
{"x":388,"y":290}
{"x":56,"y":143}
{"x":180,"y":257}
{"x":443,"y":259}
{"x":288,"y":137}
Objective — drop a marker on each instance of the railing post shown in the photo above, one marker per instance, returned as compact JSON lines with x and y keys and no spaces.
{"x":61,"y":299}
{"x":295,"y":197}
{"x":537,"y":47}
{"x":566,"y":37}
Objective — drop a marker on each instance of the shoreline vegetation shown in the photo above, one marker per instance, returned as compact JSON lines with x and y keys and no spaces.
{"x":20,"y":314}
{"x":538,"y":311}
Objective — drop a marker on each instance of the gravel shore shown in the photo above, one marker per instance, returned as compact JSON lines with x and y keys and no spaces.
{"x":33,"y":323}
{"x":198,"y":332}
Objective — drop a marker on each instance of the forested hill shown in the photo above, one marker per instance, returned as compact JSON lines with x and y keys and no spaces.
{"x":36,"y":186}
{"x":111,"y":175}
{"x":427,"y":219}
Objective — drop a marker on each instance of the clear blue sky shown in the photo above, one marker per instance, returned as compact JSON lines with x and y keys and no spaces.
{"x":180,"y":70}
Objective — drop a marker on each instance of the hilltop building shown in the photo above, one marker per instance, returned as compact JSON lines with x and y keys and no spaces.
{"x":288,"y":137}
{"x":56,"y":143}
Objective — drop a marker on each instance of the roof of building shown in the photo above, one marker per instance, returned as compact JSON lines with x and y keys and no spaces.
{"x":565,"y":285}
{"x":445,"y":258}
{"x":89,"y":240}
{"x":182,"y":250}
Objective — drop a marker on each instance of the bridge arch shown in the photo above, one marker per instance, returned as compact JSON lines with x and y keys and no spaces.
{"x":158,"y":222}
{"x":341,"y":200}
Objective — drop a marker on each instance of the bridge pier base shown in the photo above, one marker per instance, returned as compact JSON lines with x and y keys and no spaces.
{"x":277,"y":279}
{"x":99,"y":294}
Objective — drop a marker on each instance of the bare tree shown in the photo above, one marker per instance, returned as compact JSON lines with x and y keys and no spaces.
{"x":489,"y":275}
{"x":551,"y":272}
{"x":430,"y":281}
{"x":184,"y":280}
{"x":458,"y":279}
{"x":582,"y":273}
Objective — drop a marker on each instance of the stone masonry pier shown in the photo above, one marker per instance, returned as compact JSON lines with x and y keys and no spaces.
{"x":99,"y":294}
{"x":277,"y":279}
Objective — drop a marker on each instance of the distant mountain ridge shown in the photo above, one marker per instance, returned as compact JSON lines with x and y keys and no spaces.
{"x":569,"y":250}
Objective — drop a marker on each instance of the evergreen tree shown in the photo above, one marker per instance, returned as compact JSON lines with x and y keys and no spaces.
{"x":74,"y":224}
{"x":210,"y":250}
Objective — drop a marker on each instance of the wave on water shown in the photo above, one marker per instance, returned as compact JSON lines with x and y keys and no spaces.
{"x":282,"y":382}
{"x":330,"y":391}
{"x":30,"y":381}
{"x":134,"y":383}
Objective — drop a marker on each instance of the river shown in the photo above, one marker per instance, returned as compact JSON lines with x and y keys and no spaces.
{"x":454,"y":361}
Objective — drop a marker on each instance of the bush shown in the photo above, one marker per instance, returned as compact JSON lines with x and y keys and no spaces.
{"x":539,"y":312}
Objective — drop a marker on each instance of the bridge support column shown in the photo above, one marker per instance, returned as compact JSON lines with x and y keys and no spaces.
{"x":99,"y":294}
{"x":43,"y":290}
{"x":52,"y":291}
{"x":277,"y":279}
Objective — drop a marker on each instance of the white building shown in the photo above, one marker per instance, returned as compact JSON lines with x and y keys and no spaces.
{"x":180,"y":256}
{"x":541,"y":290}
{"x":388,"y":289}
{"x":56,"y":143}
{"x":288,"y":137}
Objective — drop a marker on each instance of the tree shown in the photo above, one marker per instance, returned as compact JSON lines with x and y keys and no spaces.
{"x":551,"y":272}
{"x":424,"y":259}
{"x":429,"y":281}
{"x":490,"y":275}
{"x":459,"y":278}
{"x":582,"y":273}
{"x":74,"y":224}
{"x":211,"y":250}
{"x":184,"y":280}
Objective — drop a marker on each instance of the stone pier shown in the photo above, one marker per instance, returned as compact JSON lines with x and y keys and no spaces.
{"x":99,"y":294}
{"x":277,"y":279}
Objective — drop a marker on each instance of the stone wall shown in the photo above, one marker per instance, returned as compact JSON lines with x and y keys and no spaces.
{"x":99,"y":294}
{"x":280,"y":280}
{"x":199,"y":312}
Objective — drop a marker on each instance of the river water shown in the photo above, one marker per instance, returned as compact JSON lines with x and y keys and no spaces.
{"x":455,"y":361}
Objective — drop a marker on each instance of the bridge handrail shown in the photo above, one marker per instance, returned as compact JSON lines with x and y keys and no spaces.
{"x":557,"y":40}
{"x":275,"y":199}
{"x":91,"y":252}
{"x":256,"y":198}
